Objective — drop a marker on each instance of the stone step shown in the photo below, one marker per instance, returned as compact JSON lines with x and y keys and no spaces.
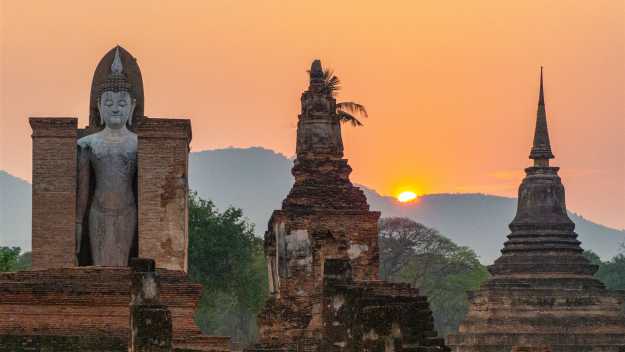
{"x":551,"y":339}
{"x":553,"y":348}
{"x":202,"y":343}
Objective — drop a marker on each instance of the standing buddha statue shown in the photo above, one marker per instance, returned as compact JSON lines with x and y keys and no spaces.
{"x":107,"y":171}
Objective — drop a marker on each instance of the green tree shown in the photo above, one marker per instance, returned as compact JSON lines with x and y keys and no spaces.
{"x":413,"y":253}
{"x":8,"y":258}
{"x":611,"y":272}
{"x":592,"y":257}
{"x":228,"y":260}
{"x":24,"y":261}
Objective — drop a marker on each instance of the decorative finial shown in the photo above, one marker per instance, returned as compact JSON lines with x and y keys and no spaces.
{"x":541,"y":150}
{"x":117,"y":67}
{"x":541,"y":95}
{"x":316,"y":71}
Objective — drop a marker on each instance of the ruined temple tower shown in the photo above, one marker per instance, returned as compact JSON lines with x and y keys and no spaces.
{"x":322,"y":254}
{"x":542,"y":291}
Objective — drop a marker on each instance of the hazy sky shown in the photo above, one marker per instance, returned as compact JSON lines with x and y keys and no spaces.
{"x":451,"y":86}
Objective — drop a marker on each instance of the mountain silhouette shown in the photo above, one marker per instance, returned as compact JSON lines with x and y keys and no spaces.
{"x":15,"y":211}
{"x":257,"y":180}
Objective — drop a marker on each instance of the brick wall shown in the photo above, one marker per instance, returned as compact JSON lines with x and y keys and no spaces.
{"x":374,"y":315}
{"x":80,"y":305}
{"x":163,"y":190}
{"x":54,"y":192}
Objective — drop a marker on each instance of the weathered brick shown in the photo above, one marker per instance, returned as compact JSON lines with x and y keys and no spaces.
{"x":323,"y":258}
{"x":54,"y":192}
{"x":163,"y":190}
{"x":93,"y":303}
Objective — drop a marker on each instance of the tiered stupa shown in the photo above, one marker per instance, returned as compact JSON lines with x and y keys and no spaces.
{"x":322,"y":253}
{"x":542,"y":293}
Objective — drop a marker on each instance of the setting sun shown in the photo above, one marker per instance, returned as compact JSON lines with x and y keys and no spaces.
{"x":406,"y":196}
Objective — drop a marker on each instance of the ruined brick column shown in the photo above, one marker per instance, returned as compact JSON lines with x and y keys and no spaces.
{"x":542,"y":291}
{"x":163,"y":158}
{"x":150,"y":321}
{"x":323,"y":216}
{"x":325,"y":220}
{"x":54,"y":192}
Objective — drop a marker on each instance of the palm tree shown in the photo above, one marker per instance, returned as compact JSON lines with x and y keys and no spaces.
{"x":346,"y":110}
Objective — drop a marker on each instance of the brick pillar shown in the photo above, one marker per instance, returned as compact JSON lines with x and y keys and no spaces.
{"x":163,"y":158}
{"x":54,"y":192}
{"x":150,"y":321}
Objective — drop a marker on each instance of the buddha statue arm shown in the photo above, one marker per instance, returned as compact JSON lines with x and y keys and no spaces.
{"x":82,"y":194}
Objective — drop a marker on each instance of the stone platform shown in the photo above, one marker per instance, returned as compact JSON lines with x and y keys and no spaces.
{"x":355,"y":315}
{"x":87,"y":309}
{"x":570,"y":320}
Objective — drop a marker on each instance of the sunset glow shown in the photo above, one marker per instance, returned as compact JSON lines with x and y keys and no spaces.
{"x":407,"y":196}
{"x":450,"y":86}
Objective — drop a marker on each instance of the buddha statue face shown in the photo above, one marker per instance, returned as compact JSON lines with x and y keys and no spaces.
{"x":116,"y":109}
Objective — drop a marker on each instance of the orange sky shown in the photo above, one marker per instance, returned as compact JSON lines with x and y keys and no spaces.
{"x":451,"y":86}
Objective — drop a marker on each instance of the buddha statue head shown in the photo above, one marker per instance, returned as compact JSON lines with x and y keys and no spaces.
{"x":116,"y":103}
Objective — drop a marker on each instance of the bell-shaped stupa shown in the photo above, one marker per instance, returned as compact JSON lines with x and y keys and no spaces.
{"x":542,"y":292}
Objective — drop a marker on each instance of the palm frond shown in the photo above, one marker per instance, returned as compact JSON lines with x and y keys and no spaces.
{"x":353,"y":108}
{"x":332,"y":84}
{"x":347,"y":117}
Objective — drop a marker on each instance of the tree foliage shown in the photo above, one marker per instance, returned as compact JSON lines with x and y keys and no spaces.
{"x":228,"y":260}
{"x":413,"y":253}
{"x":611,"y":272}
{"x":347,"y":111}
{"x":24,"y":261}
{"x":9,"y":258}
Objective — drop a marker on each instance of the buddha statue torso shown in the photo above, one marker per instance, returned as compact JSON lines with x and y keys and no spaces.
{"x":115,"y":168}
{"x":113,"y":211}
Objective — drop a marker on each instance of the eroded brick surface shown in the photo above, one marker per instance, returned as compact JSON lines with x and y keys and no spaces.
{"x":163,"y":187}
{"x":93,"y":303}
{"x":150,"y":321}
{"x":54,"y":192}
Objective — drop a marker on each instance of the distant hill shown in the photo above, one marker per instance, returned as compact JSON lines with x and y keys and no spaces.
{"x":257,"y":179}
{"x":15,"y":211}
{"x":481,"y":221}
{"x":254,"y":179}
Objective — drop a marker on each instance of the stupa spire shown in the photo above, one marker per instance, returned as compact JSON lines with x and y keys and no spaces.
{"x":541,"y":150}
{"x":316,"y":70}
